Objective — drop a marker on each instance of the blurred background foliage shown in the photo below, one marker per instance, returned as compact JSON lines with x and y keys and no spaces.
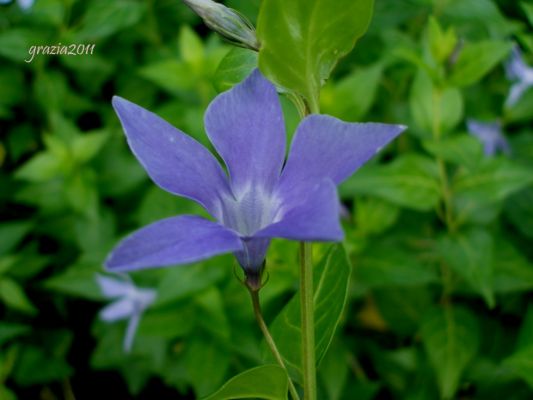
{"x":440,"y":235}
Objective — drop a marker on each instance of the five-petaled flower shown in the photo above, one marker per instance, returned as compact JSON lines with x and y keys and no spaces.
{"x":129,"y":302}
{"x":490,"y":135}
{"x":520,"y":73}
{"x":262,"y":198}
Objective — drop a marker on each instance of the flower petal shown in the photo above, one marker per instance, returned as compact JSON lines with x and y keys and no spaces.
{"x":120,"y":309}
{"x":516,"y":92}
{"x":175,"y":162}
{"x":176,"y":240}
{"x":111,"y":287}
{"x":326,"y":147}
{"x":252,"y":257}
{"x":245,"y":124}
{"x":316,"y":218}
{"x":131,"y":330}
{"x":515,"y":67}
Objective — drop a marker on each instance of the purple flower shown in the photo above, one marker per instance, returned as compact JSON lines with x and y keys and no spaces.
{"x":129,"y":302}
{"x":262,"y":198}
{"x":520,"y":73}
{"x":490,"y":135}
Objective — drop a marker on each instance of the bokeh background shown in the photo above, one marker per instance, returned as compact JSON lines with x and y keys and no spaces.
{"x":440,"y":234}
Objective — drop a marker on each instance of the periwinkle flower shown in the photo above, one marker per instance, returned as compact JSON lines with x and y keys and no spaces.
{"x":226,"y":21}
{"x":520,"y":73}
{"x":262,"y":198}
{"x":129,"y":302}
{"x":490,"y":135}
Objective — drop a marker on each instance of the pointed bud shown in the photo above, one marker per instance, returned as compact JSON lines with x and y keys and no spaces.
{"x":226,"y":21}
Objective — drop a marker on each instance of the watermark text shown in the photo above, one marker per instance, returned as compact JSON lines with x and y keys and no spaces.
{"x":60,"y":49}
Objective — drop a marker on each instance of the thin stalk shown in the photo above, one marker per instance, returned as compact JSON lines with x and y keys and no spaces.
{"x":308,"y":322}
{"x":270,"y":341}
{"x":447,"y":213}
{"x":447,"y":197}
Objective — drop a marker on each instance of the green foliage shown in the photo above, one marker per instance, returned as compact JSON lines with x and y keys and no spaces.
{"x":477,"y":59}
{"x":331,"y":277}
{"x":265,"y":382}
{"x":410,"y":181}
{"x":470,"y":256}
{"x":451,"y":339}
{"x":438,"y":233}
{"x":234,"y":67}
{"x":302,"y":32}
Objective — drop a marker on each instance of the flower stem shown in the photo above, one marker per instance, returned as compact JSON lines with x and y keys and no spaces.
{"x":308,"y":322}
{"x":270,"y":341}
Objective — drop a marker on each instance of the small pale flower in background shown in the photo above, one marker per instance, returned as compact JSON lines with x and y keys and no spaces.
{"x":129,"y":302}
{"x":263,"y":197}
{"x":490,"y":135}
{"x":23,"y":4}
{"x":520,"y":73}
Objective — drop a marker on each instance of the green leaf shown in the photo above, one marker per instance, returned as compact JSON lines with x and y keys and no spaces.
{"x":525,"y":335}
{"x":357,"y":91}
{"x":42,"y":167}
{"x":402,"y":308}
{"x":11,"y":233}
{"x":528,"y":10}
{"x":86,"y":146}
{"x":182,"y":282}
{"x":385,"y":264}
{"x":35,"y":366}
{"x":234,"y":67}
{"x":512,"y":271}
{"x":476,"y":60}
{"x":191,"y":46}
{"x":15,"y":43}
{"x":522,"y":111}
{"x":12,"y":294}
{"x":362,"y":390}
{"x":266,"y":382}
{"x":302,"y":40}
{"x":451,"y":339}
{"x":331,"y":281}
{"x":78,"y":281}
{"x":518,"y":209}
{"x":170,"y":75}
{"x":470,"y":255}
{"x":521,"y":363}
{"x":168,"y":323}
{"x":10,"y":330}
{"x":428,"y":104}
{"x":462,"y":150}
{"x":49,"y":11}
{"x":104,"y":18}
{"x":11,"y":82}
{"x":441,"y":43}
{"x":333,"y":372}
{"x":493,"y":181}
{"x":410,"y":181}
{"x":374,"y":216}
{"x":7,"y":394}
{"x":206,"y":363}
{"x":211,"y":313}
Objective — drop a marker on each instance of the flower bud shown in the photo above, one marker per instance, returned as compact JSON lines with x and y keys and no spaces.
{"x":226,"y":21}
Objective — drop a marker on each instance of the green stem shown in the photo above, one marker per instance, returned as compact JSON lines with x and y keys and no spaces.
{"x":270,"y":341}
{"x":447,"y":214}
{"x":308,"y":322}
{"x":447,"y":196}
